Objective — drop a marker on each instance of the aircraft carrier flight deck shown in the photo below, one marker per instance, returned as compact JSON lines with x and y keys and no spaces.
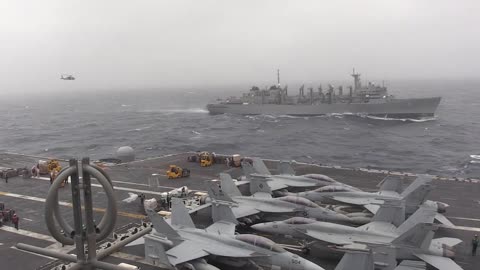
{"x":27,"y":197}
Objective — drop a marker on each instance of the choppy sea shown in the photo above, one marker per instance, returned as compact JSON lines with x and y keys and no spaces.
{"x":163,"y":121}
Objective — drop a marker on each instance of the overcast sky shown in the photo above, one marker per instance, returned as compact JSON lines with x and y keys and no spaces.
{"x":114,"y":44}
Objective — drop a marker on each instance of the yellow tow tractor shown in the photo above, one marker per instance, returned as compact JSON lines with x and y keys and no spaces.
{"x":206,"y":159}
{"x":175,"y":172}
{"x":53,"y":166}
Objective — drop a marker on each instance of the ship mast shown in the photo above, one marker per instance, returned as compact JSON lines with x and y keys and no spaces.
{"x":278,"y":77}
{"x":356,"y":80}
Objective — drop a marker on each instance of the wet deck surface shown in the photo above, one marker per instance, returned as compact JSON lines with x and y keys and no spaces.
{"x":27,"y":196}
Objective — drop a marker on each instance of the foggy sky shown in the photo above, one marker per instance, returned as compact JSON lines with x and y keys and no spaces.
{"x":118,"y":44}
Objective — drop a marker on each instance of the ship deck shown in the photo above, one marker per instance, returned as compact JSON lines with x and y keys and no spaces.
{"x":27,"y":196}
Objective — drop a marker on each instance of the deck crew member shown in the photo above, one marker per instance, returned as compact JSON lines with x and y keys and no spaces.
{"x":15,"y":220}
{"x":474,"y":245}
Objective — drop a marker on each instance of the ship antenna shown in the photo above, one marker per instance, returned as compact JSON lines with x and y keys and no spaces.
{"x":356,"y":80}
{"x":278,"y":77}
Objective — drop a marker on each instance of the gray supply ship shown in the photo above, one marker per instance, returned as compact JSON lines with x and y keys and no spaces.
{"x":359,"y":99}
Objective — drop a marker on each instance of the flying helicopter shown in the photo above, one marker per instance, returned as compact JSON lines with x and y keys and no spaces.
{"x":67,"y":77}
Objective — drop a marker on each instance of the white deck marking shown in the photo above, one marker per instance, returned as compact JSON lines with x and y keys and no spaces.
{"x":28,"y":233}
{"x":131,"y":183}
{"x":56,"y":246}
{"x":463,"y":218}
{"x":67,"y":204}
{"x":36,"y":254}
{"x":27,"y":219}
{"x":465,"y":228}
{"x":133,"y":189}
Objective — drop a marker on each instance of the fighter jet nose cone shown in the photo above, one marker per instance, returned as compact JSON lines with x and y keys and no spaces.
{"x":257,"y":227}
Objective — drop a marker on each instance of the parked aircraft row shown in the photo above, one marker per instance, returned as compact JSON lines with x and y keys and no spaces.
{"x":177,"y":244}
{"x":397,"y":224}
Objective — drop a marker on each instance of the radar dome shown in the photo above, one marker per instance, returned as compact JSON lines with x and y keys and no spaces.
{"x":126,"y":154}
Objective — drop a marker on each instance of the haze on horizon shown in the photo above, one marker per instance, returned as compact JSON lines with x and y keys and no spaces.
{"x":121,"y":44}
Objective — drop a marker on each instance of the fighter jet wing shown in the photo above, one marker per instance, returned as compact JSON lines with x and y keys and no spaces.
{"x":442,"y":219}
{"x":357,"y":201}
{"x":276,"y":185}
{"x":377,"y":226}
{"x":337,"y":239}
{"x":441,"y":263}
{"x":411,"y":265}
{"x":449,"y":241}
{"x":222,"y":227}
{"x":184,"y":252}
{"x":244,"y":211}
{"x":191,"y":250}
{"x":373,"y":208}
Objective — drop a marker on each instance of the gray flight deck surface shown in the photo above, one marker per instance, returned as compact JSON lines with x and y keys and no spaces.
{"x":27,"y":196}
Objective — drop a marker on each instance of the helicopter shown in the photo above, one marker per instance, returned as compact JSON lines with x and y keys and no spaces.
{"x":67,"y":77}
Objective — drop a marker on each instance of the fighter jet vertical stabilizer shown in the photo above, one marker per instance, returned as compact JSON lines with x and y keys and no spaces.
{"x":260,"y":167}
{"x":228,"y":186}
{"x":180,"y":215}
{"x":391,"y":212}
{"x":418,"y":241}
{"x":422,"y":215}
{"x":285,"y":168}
{"x":259,"y":184}
{"x":391,"y":184}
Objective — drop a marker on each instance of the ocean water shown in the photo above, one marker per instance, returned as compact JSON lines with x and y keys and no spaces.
{"x":164,"y":121}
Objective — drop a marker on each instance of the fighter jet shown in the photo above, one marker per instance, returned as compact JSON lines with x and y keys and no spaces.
{"x":67,"y":77}
{"x":181,"y":244}
{"x":261,"y":202}
{"x":286,"y":177}
{"x":414,"y":196}
{"x":378,"y":232}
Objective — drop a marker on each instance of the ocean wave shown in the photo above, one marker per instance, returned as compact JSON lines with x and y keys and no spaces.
{"x":416,"y":120}
{"x":172,"y":111}
{"x":139,"y":129}
{"x":475,"y":156}
{"x":187,"y":110}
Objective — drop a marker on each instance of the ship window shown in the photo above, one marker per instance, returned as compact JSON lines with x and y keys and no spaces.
{"x":299,"y":220}
{"x":299,"y":201}
{"x":260,"y":241}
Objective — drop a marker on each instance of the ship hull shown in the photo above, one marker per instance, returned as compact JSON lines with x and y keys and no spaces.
{"x":395,"y":108}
